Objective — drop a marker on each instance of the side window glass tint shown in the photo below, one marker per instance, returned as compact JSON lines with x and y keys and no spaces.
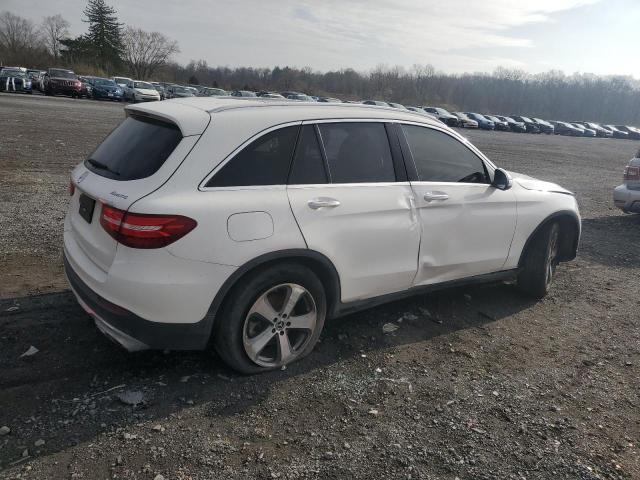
{"x":441,"y":158}
{"x":265,"y":161}
{"x":308,"y":165}
{"x":357,"y":152}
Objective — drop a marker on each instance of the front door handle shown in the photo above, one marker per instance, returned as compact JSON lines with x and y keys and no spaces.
{"x":323,"y":202}
{"x":431,"y":196}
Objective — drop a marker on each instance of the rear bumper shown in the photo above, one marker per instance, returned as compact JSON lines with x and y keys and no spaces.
{"x":131,"y":331}
{"x":626,"y":199}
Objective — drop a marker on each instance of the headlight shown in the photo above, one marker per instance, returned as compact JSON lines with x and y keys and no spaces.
{"x":118,"y":91}
{"x":27,"y":84}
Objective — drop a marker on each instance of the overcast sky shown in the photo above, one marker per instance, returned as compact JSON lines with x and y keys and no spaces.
{"x":597,"y":36}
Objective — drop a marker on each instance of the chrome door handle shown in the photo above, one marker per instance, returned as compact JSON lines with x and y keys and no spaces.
{"x":323,"y":202}
{"x":431,"y":196}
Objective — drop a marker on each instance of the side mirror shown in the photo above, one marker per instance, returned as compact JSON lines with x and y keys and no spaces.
{"x":501,"y":179}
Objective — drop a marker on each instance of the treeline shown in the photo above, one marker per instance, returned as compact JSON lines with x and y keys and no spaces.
{"x":111,"y":48}
{"x":552,"y":95}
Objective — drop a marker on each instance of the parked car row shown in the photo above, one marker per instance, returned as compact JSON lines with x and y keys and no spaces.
{"x":59,"y":81}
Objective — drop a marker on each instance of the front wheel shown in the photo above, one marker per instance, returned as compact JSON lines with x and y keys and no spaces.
{"x":271,"y":319}
{"x":540,"y":262}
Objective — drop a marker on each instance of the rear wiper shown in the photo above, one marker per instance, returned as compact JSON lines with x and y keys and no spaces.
{"x":102,"y":166}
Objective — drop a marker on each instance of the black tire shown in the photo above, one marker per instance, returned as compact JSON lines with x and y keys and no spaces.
{"x":540,"y":261}
{"x":229,"y":331}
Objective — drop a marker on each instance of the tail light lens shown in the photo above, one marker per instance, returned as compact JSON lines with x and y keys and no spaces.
{"x":72,"y":188}
{"x":138,"y":230}
{"x":632,"y":173}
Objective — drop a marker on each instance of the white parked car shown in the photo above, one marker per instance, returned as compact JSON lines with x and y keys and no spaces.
{"x":249,"y":222}
{"x":627,"y":196}
{"x":122,"y":82}
{"x":138,"y":91}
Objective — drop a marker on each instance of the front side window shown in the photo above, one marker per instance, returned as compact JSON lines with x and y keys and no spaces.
{"x":357,"y":152}
{"x":265,"y":161}
{"x":441,"y":158}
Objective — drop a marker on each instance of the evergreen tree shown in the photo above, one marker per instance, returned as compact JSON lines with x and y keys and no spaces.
{"x":104,"y":35}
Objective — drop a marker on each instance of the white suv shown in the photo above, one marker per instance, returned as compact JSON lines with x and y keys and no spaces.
{"x":249,"y":222}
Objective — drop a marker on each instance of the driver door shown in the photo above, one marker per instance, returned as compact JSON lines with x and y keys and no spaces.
{"x":467,"y":224}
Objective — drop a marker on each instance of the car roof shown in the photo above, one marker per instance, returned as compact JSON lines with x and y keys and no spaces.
{"x":192,"y":115}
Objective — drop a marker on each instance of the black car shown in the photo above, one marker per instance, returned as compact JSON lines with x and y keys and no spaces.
{"x":565,"y":128}
{"x":633,"y":132}
{"x":243,"y":93}
{"x":329,"y":100}
{"x":443,"y":115}
{"x":107,"y":89}
{"x":615,"y":132}
{"x":544,"y":126}
{"x":15,"y":80}
{"x":529,"y":124}
{"x":518,"y":127}
{"x":178,"y":91}
{"x":501,"y":125}
{"x":160,"y":89}
{"x":375,"y":102}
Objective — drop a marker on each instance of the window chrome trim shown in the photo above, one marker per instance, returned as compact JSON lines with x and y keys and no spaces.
{"x":349,"y":185}
{"x":237,"y":150}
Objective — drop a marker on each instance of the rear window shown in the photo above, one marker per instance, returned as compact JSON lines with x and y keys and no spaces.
{"x":136,"y":149}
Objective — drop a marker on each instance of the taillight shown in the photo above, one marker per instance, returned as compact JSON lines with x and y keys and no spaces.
{"x":632,"y":173}
{"x":138,"y":230}
{"x":72,"y":188}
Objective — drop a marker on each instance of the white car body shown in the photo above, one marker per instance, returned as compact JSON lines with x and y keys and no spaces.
{"x":375,"y":240}
{"x":627,"y":195}
{"x":136,"y":91}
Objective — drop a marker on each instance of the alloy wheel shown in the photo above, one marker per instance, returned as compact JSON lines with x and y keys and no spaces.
{"x":279,"y":325}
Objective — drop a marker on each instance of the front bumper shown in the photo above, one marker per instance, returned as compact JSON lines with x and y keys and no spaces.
{"x":131,"y":331}
{"x":626,"y":199}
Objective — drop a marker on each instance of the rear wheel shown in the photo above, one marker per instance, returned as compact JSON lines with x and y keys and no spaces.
{"x":540,"y":262}
{"x":271,"y":319}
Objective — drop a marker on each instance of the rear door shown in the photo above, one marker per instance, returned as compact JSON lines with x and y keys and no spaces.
{"x":349,"y":194}
{"x":467,"y":225}
{"x":135,"y":159}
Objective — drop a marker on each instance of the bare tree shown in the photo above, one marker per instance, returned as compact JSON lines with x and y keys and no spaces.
{"x":54,"y":29}
{"x":18,"y":38}
{"x":145,"y":52}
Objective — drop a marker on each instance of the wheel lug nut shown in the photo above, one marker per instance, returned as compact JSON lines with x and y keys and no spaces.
{"x":288,"y":324}
{"x":281,"y":333}
{"x":273,"y":331}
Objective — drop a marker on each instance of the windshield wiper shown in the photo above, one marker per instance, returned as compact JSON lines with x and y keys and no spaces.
{"x":102,"y":166}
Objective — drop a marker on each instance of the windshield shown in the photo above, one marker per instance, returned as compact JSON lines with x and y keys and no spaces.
{"x":143,"y":85}
{"x":442,"y":111}
{"x":182,"y":90}
{"x":61,"y":74}
{"x":462,"y":116}
{"x":104,"y":82}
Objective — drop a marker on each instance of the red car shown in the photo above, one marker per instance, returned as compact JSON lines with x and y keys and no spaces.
{"x":61,"y":81}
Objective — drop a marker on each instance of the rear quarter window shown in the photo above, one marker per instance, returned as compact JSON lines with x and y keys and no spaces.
{"x":136,"y":149}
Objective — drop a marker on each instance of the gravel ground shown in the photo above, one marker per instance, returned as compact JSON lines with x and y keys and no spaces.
{"x":477,"y":383}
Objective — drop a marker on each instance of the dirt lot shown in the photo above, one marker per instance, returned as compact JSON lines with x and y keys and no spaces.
{"x":477,"y":383}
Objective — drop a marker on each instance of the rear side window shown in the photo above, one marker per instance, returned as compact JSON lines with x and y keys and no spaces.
{"x":136,"y":149}
{"x":308,"y":165}
{"x":265,"y":161}
{"x":441,"y":158}
{"x":357,"y":152}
